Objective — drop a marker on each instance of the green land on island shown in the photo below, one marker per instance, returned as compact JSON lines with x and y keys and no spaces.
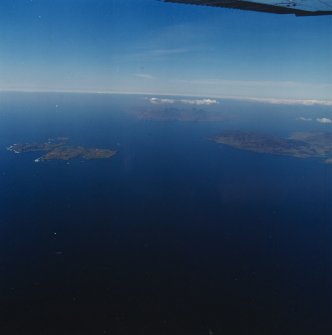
{"x":299,"y":144}
{"x":57,"y":149}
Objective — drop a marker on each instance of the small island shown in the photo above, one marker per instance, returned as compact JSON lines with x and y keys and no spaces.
{"x":300,"y":144}
{"x":50,"y":145}
{"x":57,"y":149}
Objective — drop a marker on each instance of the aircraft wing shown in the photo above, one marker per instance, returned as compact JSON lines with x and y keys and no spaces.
{"x":297,"y":7}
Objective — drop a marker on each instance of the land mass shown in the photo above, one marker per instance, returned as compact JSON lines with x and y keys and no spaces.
{"x":300,"y":144}
{"x":51,"y":144}
{"x":57,"y":149}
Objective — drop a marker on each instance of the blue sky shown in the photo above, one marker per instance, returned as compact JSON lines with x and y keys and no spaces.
{"x":149,"y":46}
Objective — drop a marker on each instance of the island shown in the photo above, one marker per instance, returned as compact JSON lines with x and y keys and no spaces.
{"x":51,"y":144}
{"x":57,"y":149}
{"x":299,"y":144}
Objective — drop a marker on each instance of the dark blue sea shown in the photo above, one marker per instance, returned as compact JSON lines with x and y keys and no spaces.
{"x":173,"y":235}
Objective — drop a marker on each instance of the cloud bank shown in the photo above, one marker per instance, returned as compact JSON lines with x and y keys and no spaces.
{"x":301,"y":118}
{"x":158,"y":101}
{"x":197,"y":102}
{"x":324,"y":120}
{"x":305,"y":102}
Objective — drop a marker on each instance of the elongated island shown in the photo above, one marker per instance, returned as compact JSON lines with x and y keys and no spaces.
{"x":57,"y":149}
{"x":299,"y":144}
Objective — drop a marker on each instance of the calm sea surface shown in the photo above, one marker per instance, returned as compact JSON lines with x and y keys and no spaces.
{"x":173,"y":235}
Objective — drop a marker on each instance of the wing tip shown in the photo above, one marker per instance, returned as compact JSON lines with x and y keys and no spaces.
{"x":252,"y":6}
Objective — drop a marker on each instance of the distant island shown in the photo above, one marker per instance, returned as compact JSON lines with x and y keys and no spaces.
{"x":181,"y":114}
{"x":57,"y":149}
{"x":300,"y":144}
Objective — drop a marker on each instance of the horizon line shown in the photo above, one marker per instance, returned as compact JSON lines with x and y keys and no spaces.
{"x":270,"y":100}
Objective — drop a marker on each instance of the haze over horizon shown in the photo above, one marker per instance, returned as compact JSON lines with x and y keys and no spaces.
{"x":151,"y":47}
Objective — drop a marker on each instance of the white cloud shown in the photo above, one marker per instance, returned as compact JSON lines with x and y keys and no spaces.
{"x":275,"y":101}
{"x":283,"y":92}
{"x":144,"y":76}
{"x":301,"y":118}
{"x":324,"y":120}
{"x":199,"y":101}
{"x":305,"y":102}
{"x":158,"y":101}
